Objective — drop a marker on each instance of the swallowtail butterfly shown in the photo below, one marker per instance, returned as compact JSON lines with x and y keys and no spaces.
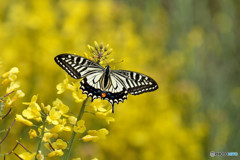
{"x":104,"y":83}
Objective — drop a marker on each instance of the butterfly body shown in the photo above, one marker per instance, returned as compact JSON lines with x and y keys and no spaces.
{"x":104,"y":83}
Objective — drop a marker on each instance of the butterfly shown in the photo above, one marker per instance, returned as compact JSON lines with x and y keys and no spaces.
{"x":104,"y":83}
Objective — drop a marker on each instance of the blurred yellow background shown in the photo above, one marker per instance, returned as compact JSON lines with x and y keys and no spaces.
{"x":189,"y":47}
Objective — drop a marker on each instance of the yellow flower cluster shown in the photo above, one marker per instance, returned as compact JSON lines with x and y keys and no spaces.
{"x":55,"y":116}
{"x":56,"y":119}
{"x":9,"y":79}
{"x":100,"y":53}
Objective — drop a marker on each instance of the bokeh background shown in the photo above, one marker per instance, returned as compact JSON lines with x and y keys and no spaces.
{"x":189,"y":47}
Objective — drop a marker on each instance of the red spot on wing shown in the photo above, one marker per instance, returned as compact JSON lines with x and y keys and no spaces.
{"x":103,"y":95}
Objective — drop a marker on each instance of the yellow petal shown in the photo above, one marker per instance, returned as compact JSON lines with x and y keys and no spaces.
{"x":20,"y":118}
{"x":57,"y":152}
{"x":88,"y":138}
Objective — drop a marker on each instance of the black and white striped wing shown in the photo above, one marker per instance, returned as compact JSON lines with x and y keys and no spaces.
{"x":77,"y":66}
{"x":135,"y":83}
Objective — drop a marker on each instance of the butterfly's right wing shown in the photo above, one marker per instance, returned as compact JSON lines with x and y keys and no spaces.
{"x":135,"y":83}
{"x":77,"y":66}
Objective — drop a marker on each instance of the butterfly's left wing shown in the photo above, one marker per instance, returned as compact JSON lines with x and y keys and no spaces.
{"x":77,"y":66}
{"x":135,"y":83}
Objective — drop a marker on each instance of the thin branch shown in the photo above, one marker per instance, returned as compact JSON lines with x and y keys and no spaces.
{"x":8,"y":130}
{"x":18,"y":156}
{"x":8,"y":94}
{"x":13,"y":149}
{"x":7,"y":113}
{"x":23,"y":146}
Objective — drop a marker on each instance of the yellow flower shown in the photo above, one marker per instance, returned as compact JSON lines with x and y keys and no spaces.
{"x":59,"y":144}
{"x":20,"y":118}
{"x":12,"y":77}
{"x":46,"y":109}
{"x":13,"y":86}
{"x":61,"y":126}
{"x":95,"y":135}
{"x":57,"y":152}
{"x":80,"y":127}
{"x":54,"y":116}
{"x":10,"y":101}
{"x":32,"y":133}
{"x":61,"y":87}
{"x":76,"y":159}
{"x":72,"y":120}
{"x":47,"y":136}
{"x":59,"y":105}
{"x":99,"y":105}
{"x":78,"y":96}
{"x":14,"y":70}
{"x":27,"y":155}
{"x":33,"y":110}
{"x":18,"y":94}
{"x":88,"y":138}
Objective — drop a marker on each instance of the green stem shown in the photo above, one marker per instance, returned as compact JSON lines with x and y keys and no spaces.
{"x":68,"y":150}
{"x":40,"y":141}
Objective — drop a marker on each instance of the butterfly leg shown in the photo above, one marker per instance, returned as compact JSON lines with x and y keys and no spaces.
{"x":113,"y":108}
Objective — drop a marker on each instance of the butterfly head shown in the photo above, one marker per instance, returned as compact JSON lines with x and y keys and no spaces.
{"x":107,"y":68}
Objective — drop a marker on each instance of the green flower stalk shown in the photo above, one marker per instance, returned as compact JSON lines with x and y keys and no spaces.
{"x":80,"y":115}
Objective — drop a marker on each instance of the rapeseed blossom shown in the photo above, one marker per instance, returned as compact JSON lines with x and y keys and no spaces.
{"x":54,"y":116}
{"x":59,"y":144}
{"x":95,"y":135}
{"x":80,"y":127}
{"x":58,"y":104}
{"x":61,"y":87}
{"x":47,"y":136}
{"x":72,"y":120}
{"x":33,"y":110}
{"x":32,"y":133}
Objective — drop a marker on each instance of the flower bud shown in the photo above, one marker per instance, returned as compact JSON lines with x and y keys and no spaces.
{"x":106,"y":47}
{"x":101,"y":46}
{"x":96,"y":45}
{"x":109,"y":51}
